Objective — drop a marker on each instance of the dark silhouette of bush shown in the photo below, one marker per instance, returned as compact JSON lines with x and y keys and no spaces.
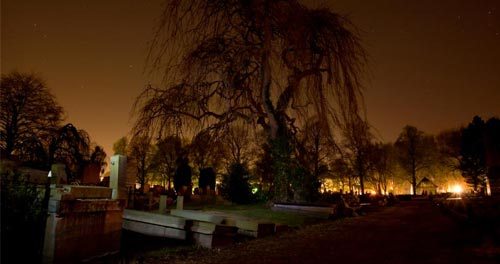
{"x":235,"y":186}
{"x":22,"y":219}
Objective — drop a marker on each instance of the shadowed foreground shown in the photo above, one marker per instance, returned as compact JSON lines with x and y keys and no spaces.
{"x":411,"y":232}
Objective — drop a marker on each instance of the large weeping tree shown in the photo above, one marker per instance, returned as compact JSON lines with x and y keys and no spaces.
{"x":271,"y":63}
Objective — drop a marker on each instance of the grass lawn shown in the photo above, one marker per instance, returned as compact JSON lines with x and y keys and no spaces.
{"x":262,"y":212}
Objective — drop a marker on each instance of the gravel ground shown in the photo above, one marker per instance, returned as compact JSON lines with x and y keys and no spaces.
{"x":410,"y":232}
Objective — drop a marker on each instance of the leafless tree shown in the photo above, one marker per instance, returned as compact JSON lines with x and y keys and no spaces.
{"x":168,"y":151}
{"x":315,"y":145}
{"x":416,"y":151}
{"x":263,"y":61}
{"x":207,"y":150}
{"x":141,"y":151}
{"x":383,"y":160}
{"x":29,"y":114}
{"x":358,"y":147}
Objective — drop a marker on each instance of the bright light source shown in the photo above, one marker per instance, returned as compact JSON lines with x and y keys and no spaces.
{"x":255,"y":190}
{"x":457,"y":189}
{"x":50,"y":174}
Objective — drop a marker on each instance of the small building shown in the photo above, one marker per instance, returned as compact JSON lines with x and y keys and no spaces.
{"x":426,"y":187}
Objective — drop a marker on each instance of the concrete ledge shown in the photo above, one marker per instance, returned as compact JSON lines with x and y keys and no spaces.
{"x":157,"y":219}
{"x":198,"y":216}
{"x":153,"y":230}
{"x":85,"y":206}
{"x":72,"y":192}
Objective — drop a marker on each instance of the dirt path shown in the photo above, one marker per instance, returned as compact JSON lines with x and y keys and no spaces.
{"x":410,"y":232}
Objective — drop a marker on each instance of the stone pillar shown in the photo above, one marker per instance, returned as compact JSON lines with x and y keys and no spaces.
{"x":180,"y":202}
{"x":118,"y":176}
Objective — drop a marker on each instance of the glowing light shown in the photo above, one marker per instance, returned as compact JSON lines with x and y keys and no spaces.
{"x":457,"y":189}
{"x":255,"y":190}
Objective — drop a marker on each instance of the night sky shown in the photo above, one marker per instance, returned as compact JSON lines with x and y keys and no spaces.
{"x":433,"y":64}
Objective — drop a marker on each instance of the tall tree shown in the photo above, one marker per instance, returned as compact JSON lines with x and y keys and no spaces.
{"x":141,"y":152}
{"x":263,"y":61}
{"x":168,"y":150}
{"x":472,"y":152}
{"x":207,"y":150}
{"x":416,"y":151}
{"x":359,"y":146}
{"x":28,"y":113}
{"x":70,"y":146}
{"x":383,"y":162}
{"x":315,"y":145}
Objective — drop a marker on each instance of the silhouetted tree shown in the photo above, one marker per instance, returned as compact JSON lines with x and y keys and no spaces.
{"x":262,"y":61}
{"x":29,"y":114}
{"x":70,"y":146}
{"x":449,"y":146}
{"x":358,"y":146}
{"x":315,"y":145}
{"x":235,"y":186}
{"x":169,"y":149}
{"x":120,"y":146}
{"x":342,"y":173}
{"x":472,"y":152}
{"x":141,"y":152}
{"x":383,"y":162}
{"x":98,"y":156}
{"x":207,"y":150}
{"x":416,"y":151}
{"x":237,"y":138}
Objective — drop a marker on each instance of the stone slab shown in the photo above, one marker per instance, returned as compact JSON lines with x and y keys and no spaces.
{"x":198,"y":216}
{"x":157,"y":219}
{"x":71,"y":192}
{"x":154,"y":230}
{"x":83,"y":206}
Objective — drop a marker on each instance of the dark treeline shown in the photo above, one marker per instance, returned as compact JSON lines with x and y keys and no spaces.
{"x":33,"y":132}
